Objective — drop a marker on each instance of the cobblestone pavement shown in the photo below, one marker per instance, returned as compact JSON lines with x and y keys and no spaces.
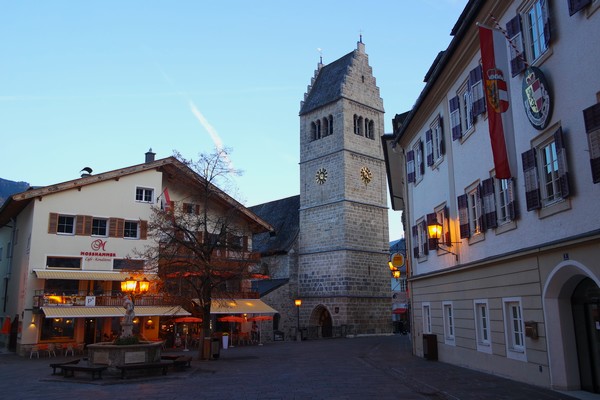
{"x":375,"y":367}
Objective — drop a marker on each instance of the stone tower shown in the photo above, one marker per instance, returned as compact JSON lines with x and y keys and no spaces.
{"x":343,"y":277}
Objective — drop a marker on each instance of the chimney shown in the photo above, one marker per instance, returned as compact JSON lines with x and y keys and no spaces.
{"x":150,"y":156}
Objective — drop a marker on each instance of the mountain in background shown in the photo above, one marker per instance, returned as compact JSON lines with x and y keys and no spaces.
{"x":8,"y":188}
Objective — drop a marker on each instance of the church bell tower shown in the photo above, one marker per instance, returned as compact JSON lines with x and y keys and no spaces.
{"x":343,"y":277}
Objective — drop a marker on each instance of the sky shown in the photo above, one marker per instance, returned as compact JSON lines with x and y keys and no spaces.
{"x":98,"y":83}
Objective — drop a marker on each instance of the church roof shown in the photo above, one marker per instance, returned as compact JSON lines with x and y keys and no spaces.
{"x":327,"y":87}
{"x":283,"y":215}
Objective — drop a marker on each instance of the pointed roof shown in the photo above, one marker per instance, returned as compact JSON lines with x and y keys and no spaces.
{"x":327,"y":87}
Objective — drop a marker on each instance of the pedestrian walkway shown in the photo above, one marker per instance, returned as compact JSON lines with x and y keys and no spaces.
{"x":374,"y":367}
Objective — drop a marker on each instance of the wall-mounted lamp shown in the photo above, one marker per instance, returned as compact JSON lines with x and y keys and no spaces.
{"x":435,"y":232}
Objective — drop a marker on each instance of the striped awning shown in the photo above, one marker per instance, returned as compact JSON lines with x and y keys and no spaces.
{"x":240,"y":306}
{"x":79,"y":275}
{"x":97,"y":312}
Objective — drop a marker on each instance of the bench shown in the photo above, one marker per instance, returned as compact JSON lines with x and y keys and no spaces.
{"x":69,"y":370}
{"x":182,"y":362}
{"x":59,"y":365}
{"x":164,"y":366}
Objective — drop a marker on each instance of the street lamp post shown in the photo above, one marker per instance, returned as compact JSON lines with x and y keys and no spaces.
{"x":298,"y":303}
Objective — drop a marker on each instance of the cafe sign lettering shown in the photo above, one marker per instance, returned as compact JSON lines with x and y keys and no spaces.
{"x":98,"y":252}
{"x":536,"y":98}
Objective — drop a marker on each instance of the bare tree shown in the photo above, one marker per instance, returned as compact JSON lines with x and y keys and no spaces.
{"x":202,"y":238}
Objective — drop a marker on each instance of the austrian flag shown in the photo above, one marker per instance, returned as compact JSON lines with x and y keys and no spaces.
{"x":494,"y":61}
{"x":165,"y":201}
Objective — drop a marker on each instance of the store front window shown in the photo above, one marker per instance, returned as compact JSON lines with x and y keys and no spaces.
{"x":58,"y":329}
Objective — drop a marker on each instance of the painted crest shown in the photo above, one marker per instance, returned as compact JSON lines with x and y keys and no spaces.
{"x":495,"y":89}
{"x":536,"y":98}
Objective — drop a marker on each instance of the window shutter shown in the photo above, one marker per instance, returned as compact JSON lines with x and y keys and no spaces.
{"x":53,"y":223}
{"x":425,"y":245}
{"x":455,"y":118}
{"x":563,"y":168}
{"x":447,"y":222}
{"x":591,"y":117}
{"x":576,"y":5}
{"x":442,"y":143}
{"x":477,"y":95}
{"x":429,"y":143}
{"x":513,"y":210}
{"x":463,"y":216}
{"x":490,"y":215}
{"x":143,"y":230}
{"x":422,"y":163}
{"x":431,"y":219}
{"x":115,"y":227}
{"x":532,"y":187}
{"x":410,"y":166}
{"x":415,"y":238}
{"x":83,"y":225}
{"x":517,"y":60}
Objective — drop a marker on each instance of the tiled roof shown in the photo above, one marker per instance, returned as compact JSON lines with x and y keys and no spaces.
{"x":327,"y":87}
{"x":283,"y":215}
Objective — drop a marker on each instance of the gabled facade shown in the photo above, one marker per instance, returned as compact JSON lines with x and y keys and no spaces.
{"x":511,"y":285}
{"x":343,"y":242}
{"x":74,"y":242}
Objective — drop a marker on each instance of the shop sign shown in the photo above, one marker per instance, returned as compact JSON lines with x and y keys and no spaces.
{"x":536,"y":98}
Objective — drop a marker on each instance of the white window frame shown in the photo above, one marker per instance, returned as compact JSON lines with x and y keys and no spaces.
{"x":466,"y":110}
{"x":426,"y":307}
{"x":125,"y":230}
{"x":514,"y":328}
{"x":419,"y":160}
{"x":449,"y":325}
{"x":436,"y":141}
{"x":58,"y":225}
{"x":483,"y":334}
{"x":475,"y":210}
{"x":535,"y":46}
{"x":440,"y":215}
{"x":422,"y":238}
{"x":144,"y":191}
{"x":547,"y":160}
{"x":106,"y":227}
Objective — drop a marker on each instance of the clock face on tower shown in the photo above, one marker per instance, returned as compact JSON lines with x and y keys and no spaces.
{"x":366,"y":175}
{"x":321,"y":176}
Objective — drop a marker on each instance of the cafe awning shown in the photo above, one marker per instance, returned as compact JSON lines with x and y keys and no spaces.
{"x":240,"y":306}
{"x":79,"y":275}
{"x":97,"y":312}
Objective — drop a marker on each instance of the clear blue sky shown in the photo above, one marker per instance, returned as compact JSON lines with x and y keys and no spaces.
{"x":97,"y":83}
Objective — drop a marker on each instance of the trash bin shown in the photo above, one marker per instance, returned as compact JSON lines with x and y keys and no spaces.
{"x":430,"y":346}
{"x":215,"y":347}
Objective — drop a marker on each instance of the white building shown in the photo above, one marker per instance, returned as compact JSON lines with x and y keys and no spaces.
{"x":72,"y":244}
{"x":512,"y":286}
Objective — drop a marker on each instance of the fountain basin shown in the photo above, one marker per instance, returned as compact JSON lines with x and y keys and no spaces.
{"x":112,"y":355}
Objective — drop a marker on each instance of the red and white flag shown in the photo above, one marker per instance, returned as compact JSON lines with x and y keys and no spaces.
{"x":494,"y":60}
{"x":165,"y":200}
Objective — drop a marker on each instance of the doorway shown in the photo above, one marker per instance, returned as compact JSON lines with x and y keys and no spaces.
{"x":585,"y":303}
{"x":89,"y":331}
{"x":321,"y":324}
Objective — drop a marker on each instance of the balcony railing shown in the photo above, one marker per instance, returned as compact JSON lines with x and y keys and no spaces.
{"x":81,"y":299}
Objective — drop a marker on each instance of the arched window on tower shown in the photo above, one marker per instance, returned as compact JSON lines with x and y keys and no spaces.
{"x":325,"y":127}
{"x":370,"y":128}
{"x":355,"y":124}
{"x":330,"y":125}
{"x":318,"y":129}
{"x":313,"y":131}
{"x":360,"y":126}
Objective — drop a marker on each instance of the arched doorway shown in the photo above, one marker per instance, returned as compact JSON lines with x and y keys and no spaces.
{"x":321,"y":324}
{"x":585,"y":303}
{"x":570,"y":305}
